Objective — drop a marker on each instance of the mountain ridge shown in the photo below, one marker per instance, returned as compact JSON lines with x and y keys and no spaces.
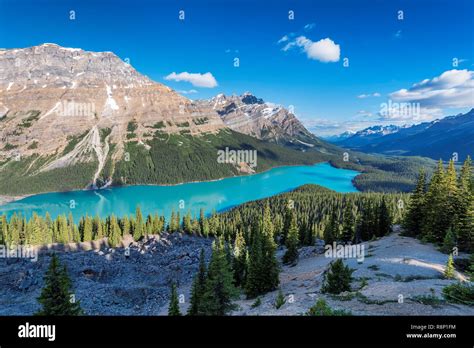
{"x":441,"y":138}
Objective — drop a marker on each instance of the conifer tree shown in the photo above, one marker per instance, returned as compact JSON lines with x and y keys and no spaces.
{"x":3,"y":230}
{"x":464,"y":225}
{"x":139,"y":228}
{"x":415,"y":216}
{"x":338,"y":278}
{"x":55,"y":298}
{"x":239,"y":265}
{"x":384,"y":221}
{"x":348,"y":224}
{"x":219,"y":287}
{"x":331,"y":229}
{"x":115,"y":235}
{"x":98,"y":228}
{"x":198,"y":288}
{"x":87,"y":231}
{"x":292,"y":241}
{"x":436,"y":221}
{"x":125,"y":225}
{"x":187,"y":225}
{"x":173,"y":308}
{"x":172,"y":227}
{"x":449,"y":270}
{"x":204,"y":224}
{"x":263,"y":268}
{"x":449,"y":241}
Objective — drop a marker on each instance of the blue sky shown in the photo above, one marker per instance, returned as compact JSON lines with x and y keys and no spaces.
{"x":386,"y":55}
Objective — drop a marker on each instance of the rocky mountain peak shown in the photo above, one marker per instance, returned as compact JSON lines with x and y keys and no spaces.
{"x":72,"y":95}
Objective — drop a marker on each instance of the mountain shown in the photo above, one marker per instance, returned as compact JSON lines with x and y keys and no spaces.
{"x":338,"y":137}
{"x":70,"y":118}
{"x":437,"y":139}
{"x":253,"y":116}
{"x":365,"y":136}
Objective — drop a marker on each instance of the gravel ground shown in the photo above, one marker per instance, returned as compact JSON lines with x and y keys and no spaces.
{"x":105,"y":281}
{"x":395,"y":267}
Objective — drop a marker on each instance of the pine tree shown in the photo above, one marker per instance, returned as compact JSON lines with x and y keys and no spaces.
{"x":263,"y":268}
{"x":449,"y":270}
{"x":415,"y":216}
{"x":292,"y":240}
{"x":203,"y":223}
{"x":436,"y":221}
{"x":449,"y":241}
{"x":384,"y":220}
{"x":87,"y":231}
{"x":56,"y":297}
{"x":125,"y":226}
{"x":187,"y":226}
{"x":139,"y":228}
{"x":115,"y":235}
{"x":286,"y":222}
{"x":198,"y":288}
{"x":331,"y":229}
{"x":173,"y":309}
{"x":271,"y":268}
{"x":338,"y":278}
{"x":347,"y":234}
{"x":3,"y":230}
{"x":464,"y":225}
{"x":172,"y":227}
{"x":98,"y":230}
{"x":239,"y":265}
{"x":219,"y":287}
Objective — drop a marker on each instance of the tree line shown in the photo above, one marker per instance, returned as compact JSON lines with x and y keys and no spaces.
{"x":442,"y":210}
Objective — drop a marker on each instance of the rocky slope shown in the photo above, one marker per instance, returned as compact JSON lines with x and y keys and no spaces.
{"x":105,"y":280}
{"x":267,"y":121}
{"x":140,"y":284}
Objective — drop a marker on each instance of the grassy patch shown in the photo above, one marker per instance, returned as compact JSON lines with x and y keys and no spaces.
{"x":33,"y":145}
{"x":159,"y":125}
{"x":9,"y":146}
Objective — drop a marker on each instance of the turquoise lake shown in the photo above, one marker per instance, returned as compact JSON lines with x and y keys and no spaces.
{"x":219,"y":195}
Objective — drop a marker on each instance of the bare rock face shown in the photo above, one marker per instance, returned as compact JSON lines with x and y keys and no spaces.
{"x":267,"y":121}
{"x":50,"y":94}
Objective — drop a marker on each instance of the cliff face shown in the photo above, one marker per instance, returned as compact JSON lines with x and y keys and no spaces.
{"x":50,"y":94}
{"x":267,"y":121}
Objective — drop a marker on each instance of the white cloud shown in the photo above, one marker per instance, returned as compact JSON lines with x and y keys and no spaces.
{"x":191,"y":91}
{"x":196,"y":79}
{"x":363,"y":96}
{"x":324,"y":50}
{"x":283,"y":39}
{"x":309,"y":26}
{"x":452,"y":89}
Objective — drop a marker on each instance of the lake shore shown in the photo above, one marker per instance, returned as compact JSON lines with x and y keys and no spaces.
{"x":4,"y":199}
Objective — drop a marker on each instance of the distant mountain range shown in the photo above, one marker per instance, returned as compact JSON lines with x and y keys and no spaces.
{"x":437,"y":139}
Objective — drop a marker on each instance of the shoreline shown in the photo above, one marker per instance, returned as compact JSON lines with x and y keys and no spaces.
{"x":5,"y":199}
